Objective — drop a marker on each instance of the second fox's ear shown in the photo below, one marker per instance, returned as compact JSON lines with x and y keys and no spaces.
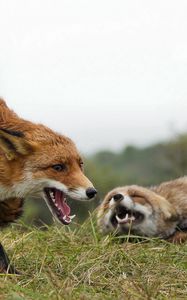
{"x":14,"y":144}
{"x":169,"y":213}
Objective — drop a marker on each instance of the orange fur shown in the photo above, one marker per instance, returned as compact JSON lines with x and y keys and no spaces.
{"x":42,"y":148}
{"x":10,"y":210}
{"x":27,"y":153}
{"x":30,"y":158}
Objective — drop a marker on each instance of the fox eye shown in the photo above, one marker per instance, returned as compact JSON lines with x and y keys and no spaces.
{"x":82,"y":165}
{"x":59,"y":167}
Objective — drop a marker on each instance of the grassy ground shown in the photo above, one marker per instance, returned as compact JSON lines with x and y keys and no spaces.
{"x":63,"y":263}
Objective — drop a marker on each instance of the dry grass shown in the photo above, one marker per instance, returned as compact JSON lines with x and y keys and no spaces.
{"x":64,"y":263}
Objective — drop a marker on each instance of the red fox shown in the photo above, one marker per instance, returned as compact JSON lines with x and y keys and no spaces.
{"x":159,"y":211}
{"x":36,"y":161}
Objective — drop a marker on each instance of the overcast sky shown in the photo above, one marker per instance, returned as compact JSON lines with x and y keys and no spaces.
{"x":106,"y":73}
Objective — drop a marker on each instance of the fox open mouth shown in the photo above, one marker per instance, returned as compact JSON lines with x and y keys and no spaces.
{"x":57,"y":202}
{"x":123,"y":216}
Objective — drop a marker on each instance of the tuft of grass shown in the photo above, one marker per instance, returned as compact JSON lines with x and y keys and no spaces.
{"x":77,"y":263}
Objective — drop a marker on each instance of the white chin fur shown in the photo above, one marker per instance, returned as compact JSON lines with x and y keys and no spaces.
{"x":104,"y":222}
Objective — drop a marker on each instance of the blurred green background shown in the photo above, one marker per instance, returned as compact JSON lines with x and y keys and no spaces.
{"x":132,"y":165}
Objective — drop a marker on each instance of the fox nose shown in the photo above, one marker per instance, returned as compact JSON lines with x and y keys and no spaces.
{"x":91,"y":192}
{"x":118,"y":197}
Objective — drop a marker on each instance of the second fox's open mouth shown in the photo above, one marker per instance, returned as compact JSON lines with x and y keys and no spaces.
{"x":57,"y":203}
{"x":123,"y":216}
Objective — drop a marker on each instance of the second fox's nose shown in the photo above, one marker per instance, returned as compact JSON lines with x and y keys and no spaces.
{"x":91,"y":192}
{"x":118,"y":197}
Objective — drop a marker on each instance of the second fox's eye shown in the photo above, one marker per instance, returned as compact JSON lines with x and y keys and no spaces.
{"x":82,"y":165}
{"x":59,"y":167}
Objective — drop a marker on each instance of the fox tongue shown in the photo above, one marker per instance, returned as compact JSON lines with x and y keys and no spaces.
{"x":60,"y":200}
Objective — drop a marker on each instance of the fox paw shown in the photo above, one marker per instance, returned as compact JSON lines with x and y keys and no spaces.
{"x":178,"y":238}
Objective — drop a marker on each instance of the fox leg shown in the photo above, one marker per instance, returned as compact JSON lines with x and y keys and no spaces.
{"x":5,"y":266}
{"x":178,"y":237}
{"x":10,"y":210}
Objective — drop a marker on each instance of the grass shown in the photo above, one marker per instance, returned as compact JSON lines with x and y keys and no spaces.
{"x":64,"y":263}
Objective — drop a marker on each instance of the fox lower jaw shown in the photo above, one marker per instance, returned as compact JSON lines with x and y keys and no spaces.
{"x":55,"y":195}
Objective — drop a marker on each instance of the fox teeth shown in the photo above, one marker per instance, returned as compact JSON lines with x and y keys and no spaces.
{"x":127,"y":216}
{"x":52,"y":196}
{"x":122,"y":220}
{"x":65,"y":218}
{"x":72,"y":217}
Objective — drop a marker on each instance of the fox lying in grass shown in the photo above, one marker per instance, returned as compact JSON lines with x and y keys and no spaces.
{"x":35,"y":161}
{"x":159,"y":211}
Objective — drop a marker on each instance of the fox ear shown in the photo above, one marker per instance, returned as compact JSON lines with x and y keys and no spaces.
{"x":14,"y":144}
{"x":169,"y":212}
{"x":6,"y":114}
{"x":158,"y":202}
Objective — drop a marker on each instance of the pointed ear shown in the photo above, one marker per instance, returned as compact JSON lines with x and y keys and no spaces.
{"x":3,"y":104}
{"x":6,"y":114}
{"x":158,"y":202}
{"x":14,"y":144}
{"x":169,"y":212}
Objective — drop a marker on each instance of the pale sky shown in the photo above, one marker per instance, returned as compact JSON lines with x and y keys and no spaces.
{"x":106,"y":73}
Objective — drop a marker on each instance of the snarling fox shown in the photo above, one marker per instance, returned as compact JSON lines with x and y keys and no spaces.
{"x":36,"y":161}
{"x":159,"y":211}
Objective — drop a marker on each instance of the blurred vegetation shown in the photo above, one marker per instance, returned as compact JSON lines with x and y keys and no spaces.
{"x":132,"y":165}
